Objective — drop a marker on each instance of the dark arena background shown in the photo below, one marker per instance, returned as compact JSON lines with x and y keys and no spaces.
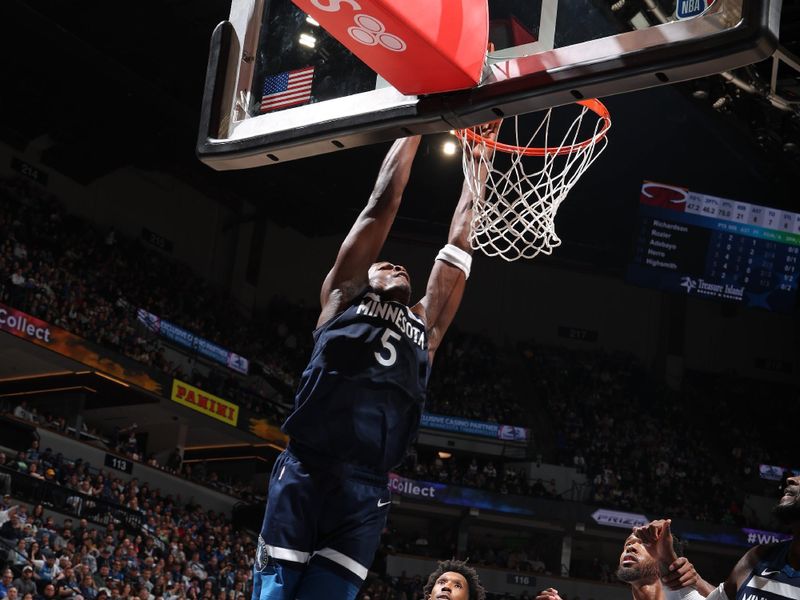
{"x":155,"y":316}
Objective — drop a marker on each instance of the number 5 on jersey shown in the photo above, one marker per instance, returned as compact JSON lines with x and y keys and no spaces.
{"x":388,"y":347}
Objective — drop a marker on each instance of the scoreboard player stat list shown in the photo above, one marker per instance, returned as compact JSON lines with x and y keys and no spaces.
{"x":716,"y":248}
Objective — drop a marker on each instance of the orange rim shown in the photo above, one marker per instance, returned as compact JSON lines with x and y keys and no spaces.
{"x":592,"y":104}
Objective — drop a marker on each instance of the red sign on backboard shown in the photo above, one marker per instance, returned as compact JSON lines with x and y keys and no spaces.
{"x":418,"y":46}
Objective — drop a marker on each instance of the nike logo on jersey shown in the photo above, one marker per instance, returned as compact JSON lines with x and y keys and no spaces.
{"x":381,"y":503}
{"x":766,"y":573}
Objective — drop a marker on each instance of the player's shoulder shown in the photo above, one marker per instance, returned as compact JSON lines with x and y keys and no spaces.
{"x":754,"y":556}
{"x":758,"y":552}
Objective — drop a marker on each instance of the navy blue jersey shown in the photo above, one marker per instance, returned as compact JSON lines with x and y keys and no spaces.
{"x":361,"y":396}
{"x":773,"y":578}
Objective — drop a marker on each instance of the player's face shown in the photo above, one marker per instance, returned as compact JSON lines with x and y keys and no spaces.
{"x":390,"y":281}
{"x":788,"y":507}
{"x":450,"y":586}
{"x":635,"y":563}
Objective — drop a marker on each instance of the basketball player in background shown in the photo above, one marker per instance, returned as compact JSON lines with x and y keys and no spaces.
{"x":359,"y":401}
{"x":455,"y":580}
{"x":654,"y":570}
{"x":766,"y":571}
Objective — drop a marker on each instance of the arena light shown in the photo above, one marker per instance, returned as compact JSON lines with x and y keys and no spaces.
{"x":312,"y":21}
{"x":449,"y":148}
{"x":444,"y":455}
{"x":307,"y":40}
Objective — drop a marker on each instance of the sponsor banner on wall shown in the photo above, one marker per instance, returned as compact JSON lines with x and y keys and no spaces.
{"x":190,"y":341}
{"x":744,"y":537}
{"x":203,"y":402}
{"x":616,"y":518}
{"x":511,"y":433}
{"x":775,"y":473}
{"x":459,"y":496}
{"x":90,"y":354}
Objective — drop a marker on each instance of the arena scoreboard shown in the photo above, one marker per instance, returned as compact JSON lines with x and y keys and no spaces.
{"x":715,"y":248}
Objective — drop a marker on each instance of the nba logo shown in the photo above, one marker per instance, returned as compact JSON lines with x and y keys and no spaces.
{"x":686,"y":9}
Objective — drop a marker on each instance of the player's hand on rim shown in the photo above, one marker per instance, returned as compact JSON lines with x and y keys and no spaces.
{"x":488,"y":131}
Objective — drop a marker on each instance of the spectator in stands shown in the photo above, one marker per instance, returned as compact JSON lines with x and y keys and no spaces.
{"x":67,"y":584}
{"x":18,"y":555}
{"x":23,"y":412}
{"x":25,"y":583}
{"x":49,"y":570}
{"x":5,"y":478}
{"x":48,"y":592}
{"x":6,"y":582}
{"x":6,"y":514}
{"x":11,"y":594}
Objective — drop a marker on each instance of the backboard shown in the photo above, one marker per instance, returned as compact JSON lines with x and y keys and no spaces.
{"x":278,"y":87}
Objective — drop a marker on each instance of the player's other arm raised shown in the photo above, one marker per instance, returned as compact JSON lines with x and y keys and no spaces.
{"x":360,"y":249}
{"x":451,"y":268}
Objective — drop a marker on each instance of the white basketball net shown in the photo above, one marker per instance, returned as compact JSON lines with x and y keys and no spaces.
{"x":514,"y":217}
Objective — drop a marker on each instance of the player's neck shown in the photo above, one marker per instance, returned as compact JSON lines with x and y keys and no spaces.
{"x":647,"y":591}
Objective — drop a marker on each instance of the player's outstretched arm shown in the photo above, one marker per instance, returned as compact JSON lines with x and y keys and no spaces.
{"x":450,"y":269}
{"x":360,"y":249}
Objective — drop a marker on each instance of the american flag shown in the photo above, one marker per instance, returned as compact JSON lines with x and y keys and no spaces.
{"x":287,"y":89}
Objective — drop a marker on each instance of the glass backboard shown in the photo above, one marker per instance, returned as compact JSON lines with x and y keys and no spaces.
{"x":279,"y":88}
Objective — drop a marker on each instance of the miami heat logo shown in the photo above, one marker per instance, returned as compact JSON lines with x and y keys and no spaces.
{"x":664,"y":196}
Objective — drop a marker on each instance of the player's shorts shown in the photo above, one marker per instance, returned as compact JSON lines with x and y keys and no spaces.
{"x":322,"y":527}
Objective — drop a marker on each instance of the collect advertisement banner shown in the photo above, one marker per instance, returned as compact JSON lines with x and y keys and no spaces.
{"x":459,"y":496}
{"x":203,"y":402}
{"x":195,"y":343}
{"x":510,"y":433}
{"x":90,"y":354}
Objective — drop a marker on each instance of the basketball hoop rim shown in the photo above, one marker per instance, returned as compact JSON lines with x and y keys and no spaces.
{"x":592,"y":104}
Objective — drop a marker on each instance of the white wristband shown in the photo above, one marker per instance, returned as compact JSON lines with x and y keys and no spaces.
{"x":457,"y":257}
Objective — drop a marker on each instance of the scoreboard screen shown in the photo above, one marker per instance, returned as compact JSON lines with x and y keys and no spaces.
{"x":715,"y":248}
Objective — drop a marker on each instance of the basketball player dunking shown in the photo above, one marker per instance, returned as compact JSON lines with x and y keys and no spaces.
{"x":359,"y":401}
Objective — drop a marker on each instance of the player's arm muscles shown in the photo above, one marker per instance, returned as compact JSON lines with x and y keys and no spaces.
{"x":446,"y":282}
{"x":349,"y":275}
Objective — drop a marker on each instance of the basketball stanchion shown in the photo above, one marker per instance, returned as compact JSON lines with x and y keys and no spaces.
{"x":517,"y":196}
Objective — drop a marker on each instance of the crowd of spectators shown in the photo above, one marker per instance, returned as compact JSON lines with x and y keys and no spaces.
{"x":648,"y":448}
{"x":91,"y":282}
{"x":125,"y":441}
{"x":490,"y":474}
{"x":183,"y":551}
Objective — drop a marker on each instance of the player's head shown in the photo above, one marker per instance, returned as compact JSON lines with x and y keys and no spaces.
{"x":637,"y":565}
{"x":390,"y":281}
{"x":788,"y":508}
{"x":454,"y":580}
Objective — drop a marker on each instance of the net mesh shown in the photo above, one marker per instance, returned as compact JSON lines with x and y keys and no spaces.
{"x":514,"y":209}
